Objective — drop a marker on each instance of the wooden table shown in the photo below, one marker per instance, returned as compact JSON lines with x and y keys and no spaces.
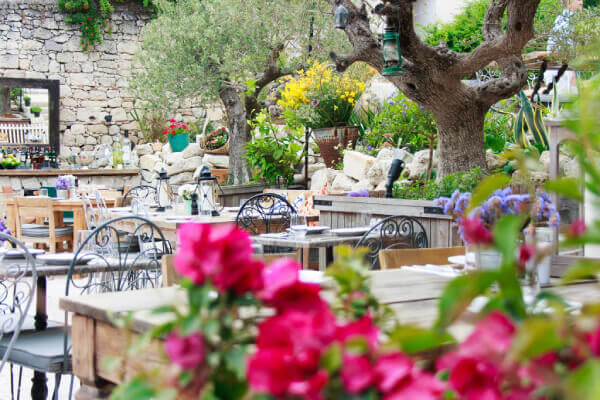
{"x":412,"y":295}
{"x":324,"y":243}
{"x":58,"y":206}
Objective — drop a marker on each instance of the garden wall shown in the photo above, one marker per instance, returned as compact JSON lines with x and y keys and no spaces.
{"x":36,"y":42}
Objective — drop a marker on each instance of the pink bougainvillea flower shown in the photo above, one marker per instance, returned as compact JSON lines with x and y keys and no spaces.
{"x":476,"y":379}
{"x":187,"y":352}
{"x":391,"y":369}
{"x":420,"y":386}
{"x":357,"y":373}
{"x":491,"y":338}
{"x":538,"y":372}
{"x":526,"y":253}
{"x":593,"y":340}
{"x":271,"y":371}
{"x":475,"y":232}
{"x":221,"y":253}
{"x":364,"y":327}
{"x":576,"y":229}
{"x":172,"y":120}
{"x":279,"y":274}
{"x":312,"y":387}
{"x":299,"y":296}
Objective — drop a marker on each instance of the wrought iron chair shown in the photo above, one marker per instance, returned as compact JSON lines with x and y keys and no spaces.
{"x":265,"y":213}
{"x":18,"y":282}
{"x":146,"y":193}
{"x":395,"y":232}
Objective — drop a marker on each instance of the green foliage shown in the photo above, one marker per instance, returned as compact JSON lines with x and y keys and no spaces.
{"x":401,"y":122}
{"x":584,"y":30}
{"x":530,"y":120}
{"x":430,"y":190}
{"x":35,"y":109}
{"x":464,"y":33}
{"x":194,"y":48}
{"x":497,"y":130}
{"x":151,"y":121}
{"x":270,"y":157}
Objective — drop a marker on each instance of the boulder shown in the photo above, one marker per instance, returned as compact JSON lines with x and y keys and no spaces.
{"x":216,"y":160}
{"x":312,"y":168}
{"x":322,"y":176}
{"x":144,"y":149}
{"x":381,"y":186}
{"x":570,"y":167}
{"x":148,"y":176}
{"x":536,"y":177}
{"x":148,"y":161}
{"x":366,"y":185}
{"x":192,"y":150}
{"x":356,"y":164}
{"x":166,"y":149}
{"x":418,"y":167}
{"x":198,"y":170}
{"x":342,"y":183}
{"x":184,"y":177}
{"x":377,"y":90}
{"x":391,"y":153}
{"x":545,"y":160}
{"x":184,"y":165}
{"x":379,"y":171}
{"x":172,"y":158}
{"x":159,"y":166}
{"x":495,"y":161}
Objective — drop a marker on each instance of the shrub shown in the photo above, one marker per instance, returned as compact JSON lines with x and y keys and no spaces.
{"x":419,"y":190}
{"x":497,"y":130}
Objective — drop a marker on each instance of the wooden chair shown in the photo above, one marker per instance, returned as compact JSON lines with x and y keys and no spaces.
{"x":49,"y":235}
{"x":396,"y":258}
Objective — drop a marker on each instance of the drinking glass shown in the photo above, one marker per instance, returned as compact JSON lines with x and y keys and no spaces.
{"x":44,"y":192}
{"x":179,"y":206}
{"x":297,"y":220}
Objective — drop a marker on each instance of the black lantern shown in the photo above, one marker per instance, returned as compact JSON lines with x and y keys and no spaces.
{"x":209,"y":191}
{"x":392,"y":54}
{"x":393,"y":174}
{"x":341,"y":16}
{"x":164,"y":195}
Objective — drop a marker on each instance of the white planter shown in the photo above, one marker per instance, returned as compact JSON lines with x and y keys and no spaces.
{"x":62,"y":194}
{"x":488,"y":258}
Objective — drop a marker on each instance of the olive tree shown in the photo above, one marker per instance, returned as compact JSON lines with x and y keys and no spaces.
{"x":226,"y":50}
{"x":433,"y":75}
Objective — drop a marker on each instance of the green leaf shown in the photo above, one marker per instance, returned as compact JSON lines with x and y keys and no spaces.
{"x":185,"y":378}
{"x":519,"y":130}
{"x":506,"y":234}
{"x":332,"y":358}
{"x":535,"y":337}
{"x":581,"y":269}
{"x":584,"y":383}
{"x":485,"y":189}
{"x":413,"y":339}
{"x":235,"y":359}
{"x":357,"y":345}
{"x":565,"y":187}
{"x":460,"y":292}
{"x":539,"y":130}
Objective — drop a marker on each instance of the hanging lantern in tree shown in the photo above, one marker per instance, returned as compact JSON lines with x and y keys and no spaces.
{"x":164,"y":194}
{"x":392,"y":54}
{"x":341,"y":16}
{"x":209,"y":191}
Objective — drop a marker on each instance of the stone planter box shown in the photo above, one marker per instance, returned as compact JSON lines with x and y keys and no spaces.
{"x":346,"y":212}
{"x":235,"y":193}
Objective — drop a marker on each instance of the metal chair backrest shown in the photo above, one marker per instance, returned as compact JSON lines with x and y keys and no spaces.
{"x":265,"y":213}
{"x":111,"y":260}
{"x":395,"y":232}
{"x":145,"y":193}
{"x":92,"y":218}
{"x":18,"y":280}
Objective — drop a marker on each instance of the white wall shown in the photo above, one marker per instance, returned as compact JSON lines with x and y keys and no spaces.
{"x":432,"y":11}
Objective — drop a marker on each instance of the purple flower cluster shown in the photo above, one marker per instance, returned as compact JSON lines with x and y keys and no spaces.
{"x":63,"y":182}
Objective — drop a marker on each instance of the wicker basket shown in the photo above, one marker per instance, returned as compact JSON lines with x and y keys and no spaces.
{"x":221,"y":150}
{"x":332,"y":142}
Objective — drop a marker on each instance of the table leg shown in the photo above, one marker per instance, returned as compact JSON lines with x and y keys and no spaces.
{"x":39,"y":390}
{"x":322,"y":258}
{"x":78,"y":222}
{"x":41,"y":316}
{"x":305,"y":258}
{"x":11,"y":218}
{"x":87,"y":392}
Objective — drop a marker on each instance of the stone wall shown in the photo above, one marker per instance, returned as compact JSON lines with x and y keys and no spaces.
{"x":36,"y":42}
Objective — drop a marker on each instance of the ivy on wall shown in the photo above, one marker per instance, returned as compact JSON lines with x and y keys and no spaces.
{"x":93,"y":17}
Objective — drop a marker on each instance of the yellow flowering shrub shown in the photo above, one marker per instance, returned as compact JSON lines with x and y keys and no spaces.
{"x":320,"y":97}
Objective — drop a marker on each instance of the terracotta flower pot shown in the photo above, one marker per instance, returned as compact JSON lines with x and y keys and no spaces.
{"x":332,"y":142}
{"x":221,"y":174}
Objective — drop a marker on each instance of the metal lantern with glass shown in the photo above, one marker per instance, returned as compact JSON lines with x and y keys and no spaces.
{"x":209,"y":191}
{"x":341,"y":16}
{"x":392,"y":54}
{"x":164,"y":194}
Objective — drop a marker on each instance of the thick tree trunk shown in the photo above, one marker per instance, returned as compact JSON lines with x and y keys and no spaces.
{"x":460,"y":140}
{"x":4,"y":100}
{"x":239,"y":134}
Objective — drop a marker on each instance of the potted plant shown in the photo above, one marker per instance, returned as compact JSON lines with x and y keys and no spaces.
{"x":185,"y":192}
{"x":323,"y":100}
{"x":63,"y":185}
{"x":217,"y":141}
{"x":178,"y":135}
{"x":272,"y":158}
{"x":36,"y":111}
{"x":27,"y":100}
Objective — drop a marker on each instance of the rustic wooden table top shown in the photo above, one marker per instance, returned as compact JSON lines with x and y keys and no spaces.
{"x":411,"y":294}
{"x":286,"y":239}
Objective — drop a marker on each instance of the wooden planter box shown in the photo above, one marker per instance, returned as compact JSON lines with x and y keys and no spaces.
{"x":346,"y":212}
{"x":235,"y":193}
